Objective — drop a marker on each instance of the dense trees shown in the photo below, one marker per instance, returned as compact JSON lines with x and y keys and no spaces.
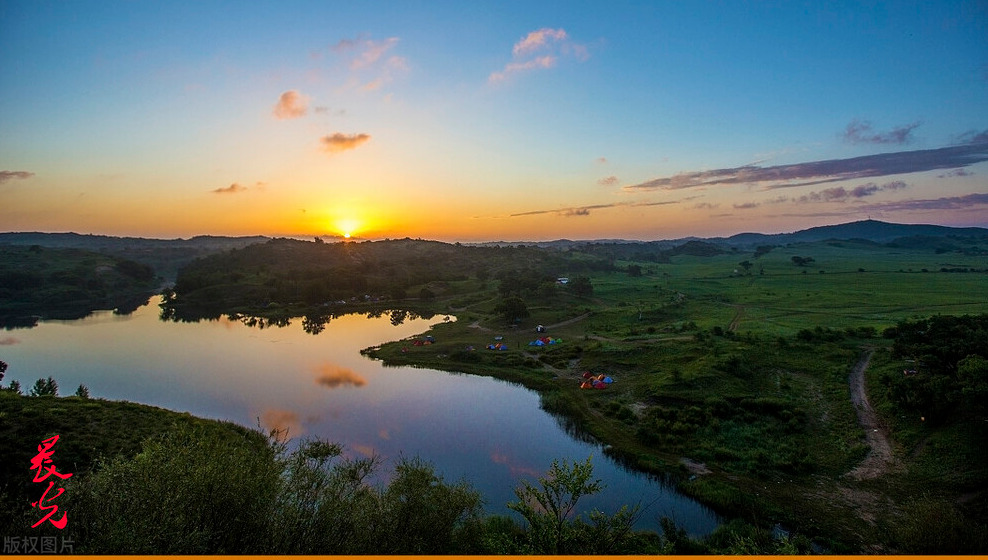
{"x":945,"y":365}
{"x":66,"y":283}
{"x":289,"y":271}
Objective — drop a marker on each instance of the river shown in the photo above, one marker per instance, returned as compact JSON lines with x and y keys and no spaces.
{"x":485,"y":431}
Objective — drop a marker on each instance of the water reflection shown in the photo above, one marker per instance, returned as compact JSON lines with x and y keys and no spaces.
{"x":333,"y":376}
{"x":237,"y":368}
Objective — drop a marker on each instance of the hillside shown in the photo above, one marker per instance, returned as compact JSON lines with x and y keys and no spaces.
{"x":165,"y":256}
{"x":870,"y":230}
{"x":37,"y":282}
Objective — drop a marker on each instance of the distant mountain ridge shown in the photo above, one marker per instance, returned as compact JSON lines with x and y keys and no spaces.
{"x":95,"y":242}
{"x":870,"y":230}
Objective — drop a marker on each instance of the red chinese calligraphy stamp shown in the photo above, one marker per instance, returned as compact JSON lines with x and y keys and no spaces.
{"x":44,"y":467}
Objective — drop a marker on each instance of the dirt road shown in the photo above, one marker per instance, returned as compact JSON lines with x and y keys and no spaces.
{"x":880,"y":458}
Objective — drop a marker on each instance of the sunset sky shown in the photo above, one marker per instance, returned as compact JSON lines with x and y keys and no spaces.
{"x":474,"y":121}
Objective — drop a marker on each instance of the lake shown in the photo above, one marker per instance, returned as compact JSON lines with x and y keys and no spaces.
{"x":488,"y":432}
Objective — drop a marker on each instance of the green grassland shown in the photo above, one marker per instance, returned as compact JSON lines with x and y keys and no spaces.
{"x":731,"y":365}
{"x":745,"y":373}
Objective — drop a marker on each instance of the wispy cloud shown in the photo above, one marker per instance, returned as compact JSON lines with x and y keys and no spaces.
{"x":841,"y":194}
{"x":11,"y":175}
{"x":828,"y":171}
{"x":968,"y":201}
{"x":235,"y":188}
{"x":585,"y":210}
{"x":232,"y":189}
{"x":537,"y":40}
{"x":9,"y":341}
{"x":607,"y":181}
{"x":372,"y":62}
{"x":956,"y":173}
{"x":861,"y":132}
{"x":291,"y":105}
{"x":975,"y":202}
{"x":333,"y":376}
{"x":973,"y":137}
{"x":540,"y":49}
{"x":339,"y":142}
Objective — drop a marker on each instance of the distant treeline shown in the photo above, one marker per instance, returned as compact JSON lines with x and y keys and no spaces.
{"x":290,"y":271}
{"x":67,"y":283}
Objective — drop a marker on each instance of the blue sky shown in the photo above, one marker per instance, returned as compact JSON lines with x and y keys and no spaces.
{"x":479,"y":121}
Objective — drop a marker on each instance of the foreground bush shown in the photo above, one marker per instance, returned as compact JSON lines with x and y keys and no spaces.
{"x":192,"y":493}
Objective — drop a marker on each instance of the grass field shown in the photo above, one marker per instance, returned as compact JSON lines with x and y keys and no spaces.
{"x":745,"y":373}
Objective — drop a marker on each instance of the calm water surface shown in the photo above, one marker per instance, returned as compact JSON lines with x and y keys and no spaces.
{"x":488,"y":432}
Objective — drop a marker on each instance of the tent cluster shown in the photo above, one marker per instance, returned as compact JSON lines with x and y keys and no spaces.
{"x":595,"y":382}
{"x":497,"y":346}
{"x":421,"y":342}
{"x":544,"y":341}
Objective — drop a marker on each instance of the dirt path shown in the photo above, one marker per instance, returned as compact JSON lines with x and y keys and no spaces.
{"x":576,"y":319}
{"x":879,"y":459}
{"x":738,"y":315}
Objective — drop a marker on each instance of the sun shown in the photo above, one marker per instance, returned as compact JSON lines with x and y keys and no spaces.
{"x":348,"y":227}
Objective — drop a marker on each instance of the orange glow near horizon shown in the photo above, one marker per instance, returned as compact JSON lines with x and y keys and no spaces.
{"x":348,"y":227}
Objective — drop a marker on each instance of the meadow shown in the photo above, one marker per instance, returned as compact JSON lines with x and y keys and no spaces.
{"x":731,"y":366}
{"x":734,"y":378}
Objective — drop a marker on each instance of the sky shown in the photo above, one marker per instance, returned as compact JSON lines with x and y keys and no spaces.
{"x":483,"y":121}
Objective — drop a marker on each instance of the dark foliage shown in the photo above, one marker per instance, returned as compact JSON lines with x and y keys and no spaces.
{"x":945,"y":365}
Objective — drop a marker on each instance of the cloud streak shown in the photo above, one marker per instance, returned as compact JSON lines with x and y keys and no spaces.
{"x":339,"y":142}
{"x":585,"y":210}
{"x":371,"y":62}
{"x":539,"y":50}
{"x":291,"y":105}
{"x":11,"y":175}
{"x":861,"y":132}
{"x":234,"y":188}
{"x":828,"y":171}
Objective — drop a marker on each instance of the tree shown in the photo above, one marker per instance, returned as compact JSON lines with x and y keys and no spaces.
{"x":634,"y":270}
{"x":549,"y":509}
{"x":82,"y":391}
{"x":45,"y":388}
{"x":801,"y":261}
{"x":3,"y":368}
{"x":511,"y":309}
{"x":581,"y":286}
{"x":746,"y":265}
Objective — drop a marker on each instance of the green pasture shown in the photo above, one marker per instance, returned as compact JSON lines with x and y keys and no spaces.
{"x":744,"y":371}
{"x":847,"y":285}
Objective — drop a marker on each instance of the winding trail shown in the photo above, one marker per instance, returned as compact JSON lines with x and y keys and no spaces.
{"x":880,"y":458}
